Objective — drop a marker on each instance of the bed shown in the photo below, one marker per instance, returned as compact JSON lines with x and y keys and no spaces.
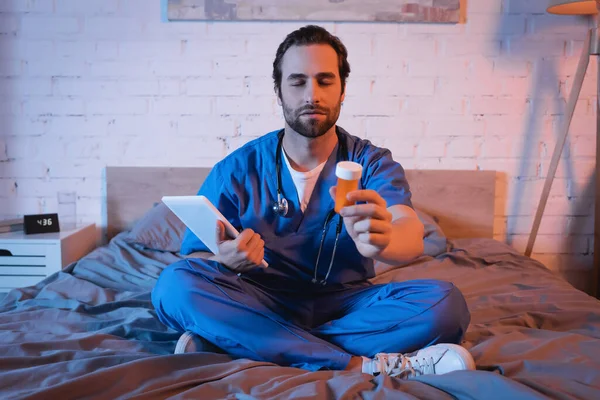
{"x":90,"y":331}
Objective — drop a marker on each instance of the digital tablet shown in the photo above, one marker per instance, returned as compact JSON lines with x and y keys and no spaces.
{"x":200,"y":216}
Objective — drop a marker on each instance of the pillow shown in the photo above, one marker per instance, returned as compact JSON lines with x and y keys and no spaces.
{"x":434,"y":238}
{"x":158,"y":229}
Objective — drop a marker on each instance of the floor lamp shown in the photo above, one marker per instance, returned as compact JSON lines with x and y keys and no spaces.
{"x":590,"y":48}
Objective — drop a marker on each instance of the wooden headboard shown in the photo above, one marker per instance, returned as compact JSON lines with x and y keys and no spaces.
{"x":461,"y":201}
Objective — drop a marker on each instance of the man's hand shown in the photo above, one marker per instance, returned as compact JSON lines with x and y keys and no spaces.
{"x":241,"y":254}
{"x":369,"y":225}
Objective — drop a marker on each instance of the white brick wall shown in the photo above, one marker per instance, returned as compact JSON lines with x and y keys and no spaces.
{"x":105,"y":82}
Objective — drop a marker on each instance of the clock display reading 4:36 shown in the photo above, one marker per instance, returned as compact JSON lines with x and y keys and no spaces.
{"x":41,"y":223}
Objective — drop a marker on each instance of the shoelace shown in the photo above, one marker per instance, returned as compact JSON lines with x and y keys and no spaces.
{"x":401,"y":366}
{"x":424,"y":366}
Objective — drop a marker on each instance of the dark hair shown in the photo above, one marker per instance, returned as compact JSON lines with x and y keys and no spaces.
{"x":311,"y":34}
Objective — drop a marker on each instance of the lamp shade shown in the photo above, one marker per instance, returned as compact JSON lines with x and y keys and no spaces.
{"x":573,"y":7}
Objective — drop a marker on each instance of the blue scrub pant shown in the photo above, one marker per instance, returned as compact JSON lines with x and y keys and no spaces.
{"x":309,"y":330}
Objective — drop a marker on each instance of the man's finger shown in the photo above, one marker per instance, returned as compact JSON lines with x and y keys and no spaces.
{"x":371,"y":225}
{"x":367,"y":195}
{"x":256,"y":255}
{"x":243,"y":238}
{"x":220,"y":232}
{"x":254,"y":243}
{"x":366,"y":210}
{"x":375,"y":239}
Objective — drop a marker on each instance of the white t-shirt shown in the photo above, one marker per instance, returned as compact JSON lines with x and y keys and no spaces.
{"x":304,"y":181}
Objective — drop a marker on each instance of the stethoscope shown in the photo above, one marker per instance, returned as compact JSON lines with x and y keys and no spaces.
{"x":281,"y":206}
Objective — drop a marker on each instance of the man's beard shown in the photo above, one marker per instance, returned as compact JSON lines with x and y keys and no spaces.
{"x":311,"y":127}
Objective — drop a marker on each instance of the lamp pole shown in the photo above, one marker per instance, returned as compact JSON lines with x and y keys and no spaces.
{"x":591,"y":47}
{"x":596,"y":266}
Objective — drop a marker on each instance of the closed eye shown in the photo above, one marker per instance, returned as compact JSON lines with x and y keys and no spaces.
{"x":323,"y":79}
{"x":321,"y":83}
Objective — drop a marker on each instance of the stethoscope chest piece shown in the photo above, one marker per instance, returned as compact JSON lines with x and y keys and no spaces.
{"x":281,"y":207}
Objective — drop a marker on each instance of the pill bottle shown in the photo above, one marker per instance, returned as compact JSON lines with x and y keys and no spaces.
{"x":348,"y":175}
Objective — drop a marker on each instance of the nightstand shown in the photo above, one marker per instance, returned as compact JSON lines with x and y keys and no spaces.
{"x":27,"y":259}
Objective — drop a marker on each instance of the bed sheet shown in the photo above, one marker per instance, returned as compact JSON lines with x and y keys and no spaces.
{"x":91,"y":332}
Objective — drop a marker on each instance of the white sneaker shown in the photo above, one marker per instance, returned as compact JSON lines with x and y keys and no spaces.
{"x":189,"y":342}
{"x":437,"y":359}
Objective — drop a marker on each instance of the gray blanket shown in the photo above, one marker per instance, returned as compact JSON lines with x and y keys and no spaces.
{"x":91,"y":332}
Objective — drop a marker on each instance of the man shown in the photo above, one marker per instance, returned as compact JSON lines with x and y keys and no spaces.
{"x":313,"y":307}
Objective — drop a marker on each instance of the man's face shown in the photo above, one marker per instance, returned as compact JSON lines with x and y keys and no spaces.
{"x":311,"y":89}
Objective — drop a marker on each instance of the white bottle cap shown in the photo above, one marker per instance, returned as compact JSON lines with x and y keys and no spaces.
{"x":348,"y":170}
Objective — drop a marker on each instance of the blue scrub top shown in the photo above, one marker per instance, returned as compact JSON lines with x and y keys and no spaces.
{"x":243,"y":186}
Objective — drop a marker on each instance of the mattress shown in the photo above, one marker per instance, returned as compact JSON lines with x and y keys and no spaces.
{"x":90,"y":331}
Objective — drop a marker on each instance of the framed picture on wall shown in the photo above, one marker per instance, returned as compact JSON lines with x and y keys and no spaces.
{"x":424,"y":11}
